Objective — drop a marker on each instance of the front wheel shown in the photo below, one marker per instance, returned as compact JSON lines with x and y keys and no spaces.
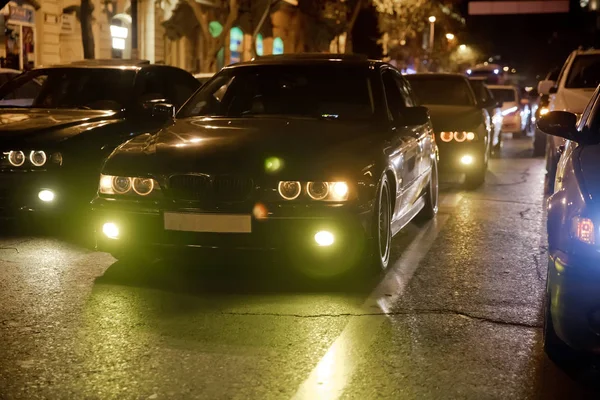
{"x":430,"y":209}
{"x":381,"y":242}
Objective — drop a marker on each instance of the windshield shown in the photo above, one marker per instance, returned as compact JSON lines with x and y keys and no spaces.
{"x":584,"y":72}
{"x":442,"y":91}
{"x":87,"y":88}
{"x":505,"y":95}
{"x":480,"y":91}
{"x":309,"y":90}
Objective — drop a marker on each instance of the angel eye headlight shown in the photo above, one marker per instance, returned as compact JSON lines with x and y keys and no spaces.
{"x":317,"y":190}
{"x":446,"y":136}
{"x":289,"y":190}
{"x":121,"y":184}
{"x":16,"y":158}
{"x":143,"y":186}
{"x":460,"y":136}
{"x":37,"y":158}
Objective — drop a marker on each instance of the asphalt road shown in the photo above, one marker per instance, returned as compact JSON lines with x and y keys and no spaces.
{"x":457,"y":316}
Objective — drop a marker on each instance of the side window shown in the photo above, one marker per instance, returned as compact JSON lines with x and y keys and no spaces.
{"x":405,"y":91}
{"x":152,"y":86}
{"x":24,"y":95}
{"x":181,"y":86}
{"x":393,"y":95}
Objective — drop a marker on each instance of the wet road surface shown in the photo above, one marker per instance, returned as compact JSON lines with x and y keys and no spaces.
{"x":458,"y":315}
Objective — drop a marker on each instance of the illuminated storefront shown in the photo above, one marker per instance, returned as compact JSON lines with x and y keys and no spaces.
{"x":19,"y":36}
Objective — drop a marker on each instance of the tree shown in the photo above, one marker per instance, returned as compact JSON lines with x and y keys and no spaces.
{"x":225,"y":12}
{"x":85,"y":15}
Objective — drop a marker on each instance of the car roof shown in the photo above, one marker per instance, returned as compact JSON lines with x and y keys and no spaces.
{"x":204,"y":75}
{"x":9,"y":71}
{"x":307,"y":58}
{"x":106,"y":63}
{"x":511,"y":87}
{"x":425,"y":75}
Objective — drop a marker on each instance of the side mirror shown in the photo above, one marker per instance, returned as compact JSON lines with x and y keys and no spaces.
{"x":560,"y":123}
{"x":163,"y":111}
{"x":545,"y":86}
{"x":415,"y":116}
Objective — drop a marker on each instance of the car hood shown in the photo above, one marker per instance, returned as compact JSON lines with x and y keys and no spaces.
{"x":573,"y":100}
{"x":454,"y":117}
{"x":20,"y":127}
{"x":303,"y":147}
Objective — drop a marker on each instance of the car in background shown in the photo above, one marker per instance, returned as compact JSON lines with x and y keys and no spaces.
{"x":493,"y":74}
{"x":462,"y":127}
{"x":58,"y":124}
{"x":578,"y":78}
{"x":514,"y":113}
{"x":494,"y":108}
{"x":572,"y":307}
{"x":323,"y":160}
{"x":203,"y":77}
{"x":539,"y":138}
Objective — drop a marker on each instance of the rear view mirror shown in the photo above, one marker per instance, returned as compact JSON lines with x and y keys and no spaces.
{"x":560,"y":123}
{"x":415,"y":116}
{"x":545,"y":86}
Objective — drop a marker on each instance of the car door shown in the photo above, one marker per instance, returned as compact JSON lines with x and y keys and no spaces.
{"x":404,"y":146}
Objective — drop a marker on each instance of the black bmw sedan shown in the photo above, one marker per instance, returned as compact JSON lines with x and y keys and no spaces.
{"x":461,"y":123}
{"x":318,"y":155}
{"x":572,"y":318}
{"x":58,"y":124}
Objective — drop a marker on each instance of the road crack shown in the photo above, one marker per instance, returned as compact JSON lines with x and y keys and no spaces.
{"x":434,"y":311}
{"x":524,"y":177}
{"x":523,"y":213}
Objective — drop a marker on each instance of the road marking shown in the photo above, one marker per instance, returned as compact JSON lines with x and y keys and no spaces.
{"x":334,"y":371}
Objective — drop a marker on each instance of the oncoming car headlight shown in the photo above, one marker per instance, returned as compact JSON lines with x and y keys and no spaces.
{"x":317,"y":190}
{"x":126,"y":185}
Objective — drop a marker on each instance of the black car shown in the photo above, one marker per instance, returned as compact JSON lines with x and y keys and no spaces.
{"x":461,"y":125}
{"x":486,"y":99}
{"x":58,"y":124}
{"x":572,"y":318}
{"x":319,"y":158}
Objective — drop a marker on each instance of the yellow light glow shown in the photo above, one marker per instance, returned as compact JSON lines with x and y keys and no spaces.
{"x":505,"y":69}
{"x":466,"y":159}
{"x":339,"y":190}
{"x":462,"y":47}
{"x":324,"y":238}
{"x":273,"y":164}
{"x":111,"y":230}
{"x":46,"y":195}
{"x":544,"y":111}
{"x":470,"y":135}
{"x":446,"y":136}
{"x":432,"y":19}
{"x":106,"y":184}
{"x":450,"y":36}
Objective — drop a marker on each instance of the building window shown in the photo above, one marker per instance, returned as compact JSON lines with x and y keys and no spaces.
{"x":277,"y":46}
{"x":259,"y":45}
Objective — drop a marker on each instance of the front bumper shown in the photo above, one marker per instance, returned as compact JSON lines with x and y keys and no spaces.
{"x":574,"y":287}
{"x":452,"y":153}
{"x":19,"y":193}
{"x":289,"y":227}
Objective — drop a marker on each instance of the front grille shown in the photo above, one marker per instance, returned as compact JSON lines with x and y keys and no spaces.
{"x":210,"y":189}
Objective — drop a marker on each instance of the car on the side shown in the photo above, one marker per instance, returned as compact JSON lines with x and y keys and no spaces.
{"x":539,"y":138}
{"x":486,"y":99}
{"x":577,"y":80}
{"x":462,"y":126}
{"x":58,"y":124}
{"x":317,"y":158}
{"x":514,"y":113}
{"x":572,"y":312}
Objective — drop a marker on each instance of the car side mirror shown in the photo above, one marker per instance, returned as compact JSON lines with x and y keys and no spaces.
{"x":545,"y":86}
{"x":163,"y":111}
{"x":560,"y":123}
{"x":413,"y":116}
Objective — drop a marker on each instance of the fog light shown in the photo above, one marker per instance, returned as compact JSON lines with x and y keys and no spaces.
{"x":324,"y":238}
{"x":466,"y":160}
{"x":111,"y":230}
{"x":46,"y":195}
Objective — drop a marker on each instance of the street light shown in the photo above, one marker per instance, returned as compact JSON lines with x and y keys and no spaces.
{"x":462,"y":47}
{"x":431,"y":32}
{"x":450,"y":36}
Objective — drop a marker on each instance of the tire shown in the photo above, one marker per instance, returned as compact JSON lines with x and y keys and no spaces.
{"x":430,"y":209}
{"x":381,"y":242}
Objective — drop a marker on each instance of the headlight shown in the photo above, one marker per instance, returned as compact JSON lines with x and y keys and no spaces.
{"x":317,"y":190}
{"x":16,"y":158}
{"x":37,"y":158}
{"x":289,"y":190}
{"x":544,"y":111}
{"x":125,"y":185}
{"x":459,"y":136}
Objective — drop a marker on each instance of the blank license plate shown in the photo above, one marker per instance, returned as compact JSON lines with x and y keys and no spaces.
{"x":214,"y":223}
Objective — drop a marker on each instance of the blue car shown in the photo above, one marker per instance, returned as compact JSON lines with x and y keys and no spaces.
{"x":572,"y":315}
